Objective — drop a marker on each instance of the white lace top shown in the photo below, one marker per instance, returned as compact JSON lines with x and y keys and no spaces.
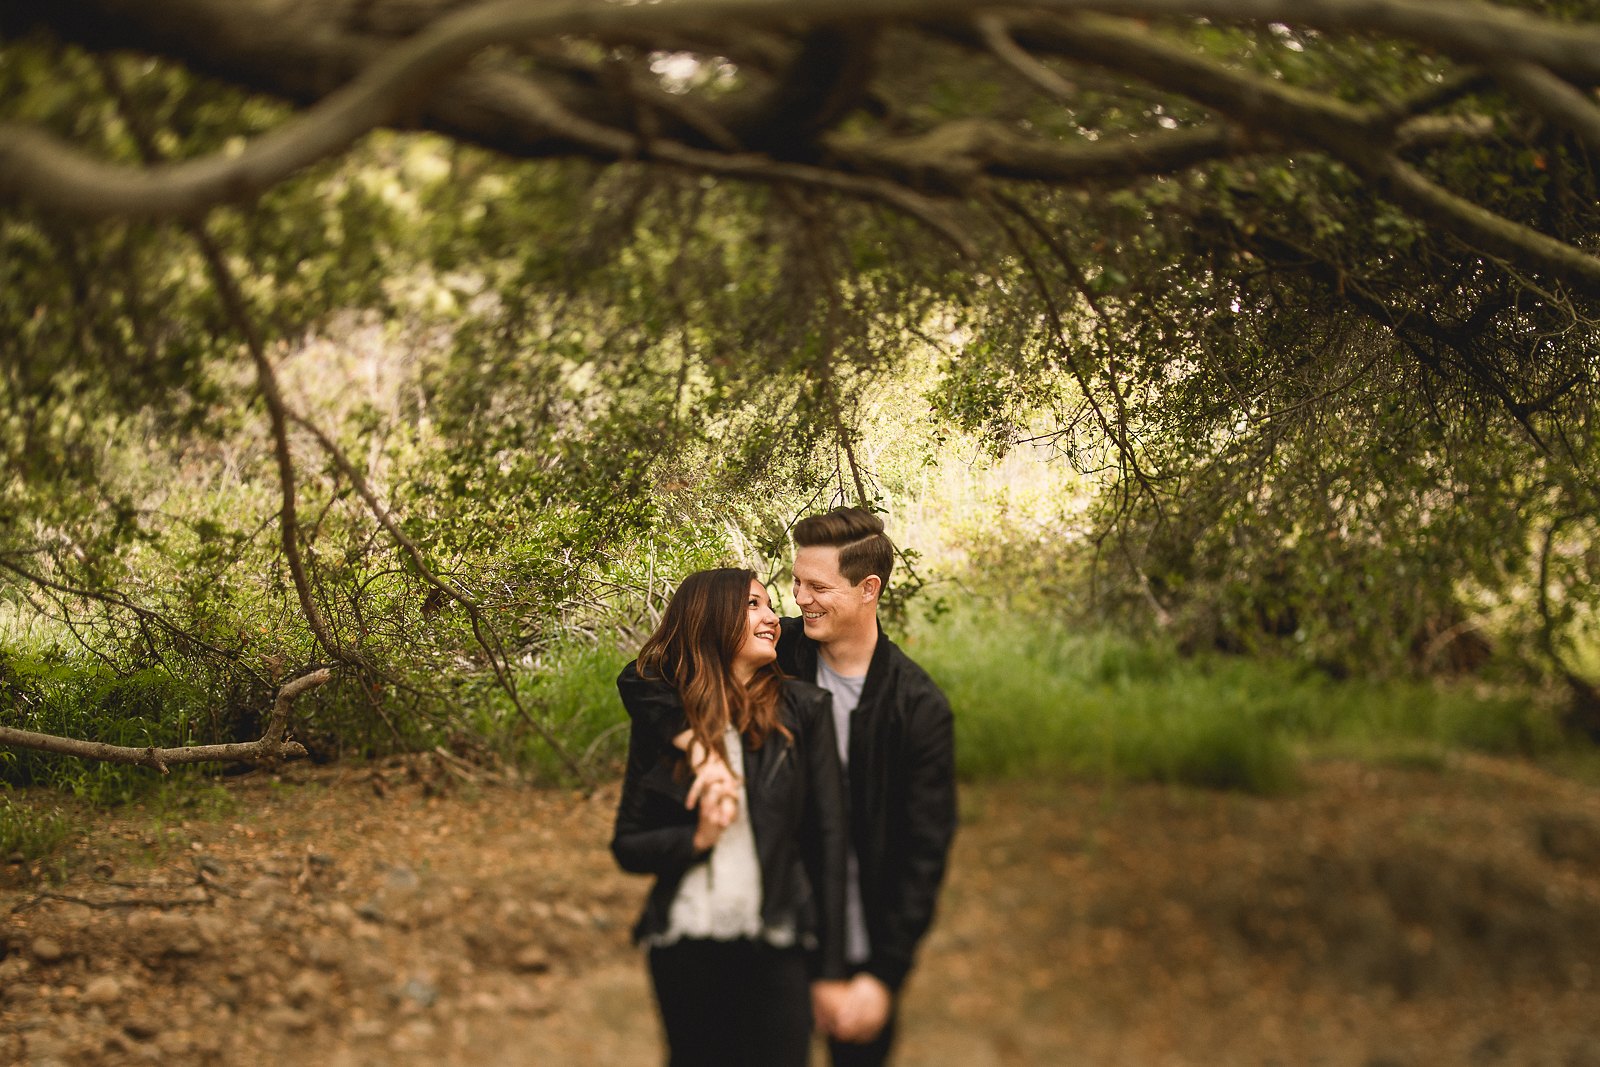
{"x":720,"y":899}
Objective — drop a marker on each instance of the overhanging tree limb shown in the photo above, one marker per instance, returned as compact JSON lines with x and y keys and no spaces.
{"x":399,"y":80}
{"x":1361,"y":138}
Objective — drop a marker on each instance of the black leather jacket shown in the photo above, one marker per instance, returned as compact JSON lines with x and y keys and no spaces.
{"x":796,"y":798}
{"x":902,"y":795}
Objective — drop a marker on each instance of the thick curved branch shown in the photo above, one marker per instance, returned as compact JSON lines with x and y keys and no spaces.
{"x":1477,"y":227}
{"x":397,"y":81}
{"x":533,"y":104}
{"x":826,"y":80}
{"x":998,"y":40}
{"x":1557,"y":100}
{"x":949,"y":156}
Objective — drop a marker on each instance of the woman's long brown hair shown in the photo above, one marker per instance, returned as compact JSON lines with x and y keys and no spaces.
{"x":693,"y":649}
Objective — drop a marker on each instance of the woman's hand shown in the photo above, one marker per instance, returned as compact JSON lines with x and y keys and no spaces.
{"x":709,"y":770}
{"x":719,"y":805}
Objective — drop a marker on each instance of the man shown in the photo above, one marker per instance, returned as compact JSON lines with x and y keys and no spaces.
{"x":896,"y":744}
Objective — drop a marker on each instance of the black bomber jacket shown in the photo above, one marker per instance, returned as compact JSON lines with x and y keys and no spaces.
{"x":796,"y":808}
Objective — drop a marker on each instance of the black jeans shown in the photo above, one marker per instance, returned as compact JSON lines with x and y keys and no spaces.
{"x":733,"y":1003}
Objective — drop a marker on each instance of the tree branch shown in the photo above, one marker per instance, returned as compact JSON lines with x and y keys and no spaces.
{"x":949,"y":157}
{"x":398,"y":80}
{"x":233,"y":304}
{"x":1554,"y":98}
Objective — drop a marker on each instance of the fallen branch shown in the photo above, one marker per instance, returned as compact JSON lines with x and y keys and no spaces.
{"x":270,"y":746}
{"x":104,"y":905}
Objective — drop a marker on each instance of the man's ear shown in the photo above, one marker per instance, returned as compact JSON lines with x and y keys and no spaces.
{"x":871,"y":586}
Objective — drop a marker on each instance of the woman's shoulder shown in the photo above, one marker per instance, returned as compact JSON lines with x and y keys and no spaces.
{"x":803,"y":696}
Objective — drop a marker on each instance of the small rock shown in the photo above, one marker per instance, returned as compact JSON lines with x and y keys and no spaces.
{"x":308,"y":986}
{"x":262,"y":888}
{"x":486,"y":1002}
{"x":369,"y":1028}
{"x":531,"y":959}
{"x":401,"y":881}
{"x":46,"y":950}
{"x":413,"y":1036}
{"x":141,"y":1026}
{"x":341,"y":913}
{"x":326,"y":951}
{"x":174,"y":1044}
{"x":288,"y":1019}
{"x":186,"y":946}
{"x":16,"y":859}
{"x":419,"y":991}
{"x":102,"y":989}
{"x":527,"y":1001}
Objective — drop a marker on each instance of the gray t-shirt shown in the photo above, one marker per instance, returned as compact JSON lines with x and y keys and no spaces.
{"x":846,"y":695}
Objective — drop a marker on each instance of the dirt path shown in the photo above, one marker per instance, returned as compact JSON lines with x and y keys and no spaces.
{"x":1381,"y":918}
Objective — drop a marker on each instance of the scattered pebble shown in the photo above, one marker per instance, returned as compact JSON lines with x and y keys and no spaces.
{"x":46,"y":950}
{"x":102,"y":990}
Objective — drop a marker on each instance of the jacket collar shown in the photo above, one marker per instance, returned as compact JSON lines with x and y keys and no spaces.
{"x":808,"y":652}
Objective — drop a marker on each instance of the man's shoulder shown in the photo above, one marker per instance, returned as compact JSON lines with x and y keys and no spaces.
{"x":802,"y":693}
{"x":908,"y":679}
{"x":806,"y":703}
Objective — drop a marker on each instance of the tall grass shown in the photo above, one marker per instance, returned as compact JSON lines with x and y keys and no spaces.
{"x":30,"y":831}
{"x":1034,"y":698}
{"x":573,"y":692}
{"x":50,"y":692}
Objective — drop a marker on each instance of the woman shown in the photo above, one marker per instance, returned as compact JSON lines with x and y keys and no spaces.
{"x":741,"y":819}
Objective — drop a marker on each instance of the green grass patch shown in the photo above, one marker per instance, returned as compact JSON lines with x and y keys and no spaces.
{"x":1034,"y":698}
{"x":31,"y":831}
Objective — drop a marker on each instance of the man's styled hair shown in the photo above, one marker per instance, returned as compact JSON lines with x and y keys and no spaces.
{"x":858,"y":535}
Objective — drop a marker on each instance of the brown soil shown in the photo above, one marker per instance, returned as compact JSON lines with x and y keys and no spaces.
{"x":1383,"y":917}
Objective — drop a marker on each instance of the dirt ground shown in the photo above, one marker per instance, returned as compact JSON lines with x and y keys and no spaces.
{"x":1381,"y":917}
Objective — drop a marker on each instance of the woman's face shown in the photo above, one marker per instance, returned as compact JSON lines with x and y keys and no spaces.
{"x":760,"y":645}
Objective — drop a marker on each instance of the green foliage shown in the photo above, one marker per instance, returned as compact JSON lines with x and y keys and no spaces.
{"x":1303,"y":425}
{"x":71,"y":696}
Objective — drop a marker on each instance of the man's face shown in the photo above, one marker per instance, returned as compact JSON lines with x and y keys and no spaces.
{"x":833,"y":608}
